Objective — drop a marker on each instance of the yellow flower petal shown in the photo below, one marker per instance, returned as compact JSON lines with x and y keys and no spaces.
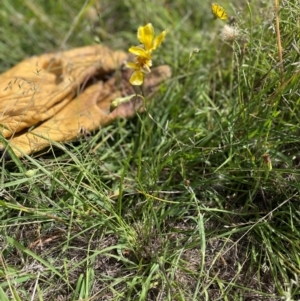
{"x":158,"y":40}
{"x":137,"y":78}
{"x":146,"y":35}
{"x":132,"y":65}
{"x":136,"y":50}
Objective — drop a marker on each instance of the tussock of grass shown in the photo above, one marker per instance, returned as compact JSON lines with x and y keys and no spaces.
{"x":177,"y":203}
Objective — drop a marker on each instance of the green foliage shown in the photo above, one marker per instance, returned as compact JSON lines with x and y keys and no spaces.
{"x":179,"y":203}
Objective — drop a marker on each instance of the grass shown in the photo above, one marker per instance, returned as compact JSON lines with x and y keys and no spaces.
{"x":178,"y":203}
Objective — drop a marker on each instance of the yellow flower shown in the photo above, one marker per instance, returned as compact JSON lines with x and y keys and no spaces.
{"x":143,"y":53}
{"x":218,"y":11}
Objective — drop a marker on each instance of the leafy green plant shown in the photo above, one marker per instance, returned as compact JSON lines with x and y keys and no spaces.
{"x":195,"y":199}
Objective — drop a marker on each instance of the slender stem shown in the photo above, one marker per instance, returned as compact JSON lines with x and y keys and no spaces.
{"x":276,"y":4}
